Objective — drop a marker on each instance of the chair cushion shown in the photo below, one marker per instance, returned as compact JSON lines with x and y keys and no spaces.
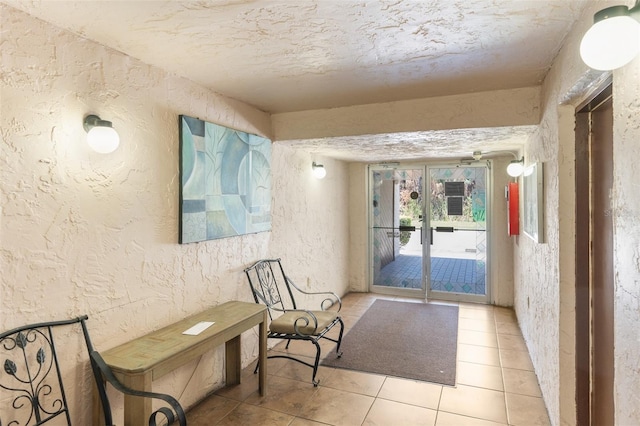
{"x":286,"y":322}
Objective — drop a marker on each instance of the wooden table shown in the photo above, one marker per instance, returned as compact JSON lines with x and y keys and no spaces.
{"x":140,"y":361}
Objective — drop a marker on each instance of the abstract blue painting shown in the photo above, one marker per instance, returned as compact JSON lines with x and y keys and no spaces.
{"x":225,"y":187}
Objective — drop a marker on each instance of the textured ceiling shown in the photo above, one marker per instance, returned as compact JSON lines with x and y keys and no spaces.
{"x":443,"y":144}
{"x":293,"y":55}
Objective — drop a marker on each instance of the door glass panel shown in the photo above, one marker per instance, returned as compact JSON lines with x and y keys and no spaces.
{"x":457,"y":233}
{"x":397,"y":261}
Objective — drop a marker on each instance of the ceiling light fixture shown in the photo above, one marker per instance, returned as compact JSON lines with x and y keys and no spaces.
{"x":614,"y":39}
{"x":101,"y":136}
{"x":515,"y":167}
{"x":318,"y":170}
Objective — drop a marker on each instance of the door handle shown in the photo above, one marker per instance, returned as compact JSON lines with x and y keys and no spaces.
{"x":444,"y":229}
{"x":439,"y":229}
{"x":407,"y":228}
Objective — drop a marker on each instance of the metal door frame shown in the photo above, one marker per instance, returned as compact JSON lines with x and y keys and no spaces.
{"x":394,"y":291}
{"x":459,"y":297}
{"x":425,"y":291}
{"x":594,"y":302}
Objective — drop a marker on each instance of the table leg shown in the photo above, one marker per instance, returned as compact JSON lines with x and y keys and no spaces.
{"x":233,"y":360}
{"x":262,"y":355}
{"x":137,"y":409}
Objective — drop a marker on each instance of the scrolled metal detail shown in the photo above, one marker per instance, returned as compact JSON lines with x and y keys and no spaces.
{"x":28,"y":364}
{"x":56,"y":404}
{"x":296,"y":325}
{"x":327,"y":303}
{"x":165,"y":413}
{"x":268,"y":284}
{"x":306,"y":320}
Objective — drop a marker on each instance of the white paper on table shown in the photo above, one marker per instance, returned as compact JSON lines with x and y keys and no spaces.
{"x":198,"y":328}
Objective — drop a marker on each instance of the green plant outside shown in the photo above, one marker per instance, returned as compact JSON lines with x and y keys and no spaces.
{"x":405,"y":235}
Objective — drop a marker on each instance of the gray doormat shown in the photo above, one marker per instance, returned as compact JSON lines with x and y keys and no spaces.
{"x":410,"y":340}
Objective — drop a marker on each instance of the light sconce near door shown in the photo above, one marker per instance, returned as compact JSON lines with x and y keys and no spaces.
{"x":101,"y":136}
{"x":614,"y":39}
{"x":318,"y":170}
{"x":515,"y":167}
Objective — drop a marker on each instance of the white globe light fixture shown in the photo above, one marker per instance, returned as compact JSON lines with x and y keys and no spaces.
{"x":318,"y":170}
{"x":515,"y":168}
{"x":614,"y":39}
{"x":101,"y":136}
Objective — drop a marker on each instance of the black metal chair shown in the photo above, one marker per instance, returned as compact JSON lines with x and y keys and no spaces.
{"x":31,"y":375}
{"x":268,"y":282}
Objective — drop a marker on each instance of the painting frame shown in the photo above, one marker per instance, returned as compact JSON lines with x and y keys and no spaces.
{"x":225,"y":182}
{"x":533,"y":202}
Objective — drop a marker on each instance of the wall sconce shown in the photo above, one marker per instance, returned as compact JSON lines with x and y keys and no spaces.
{"x":318,"y":170}
{"x":101,"y":136}
{"x":515,"y":167}
{"x":614,"y":39}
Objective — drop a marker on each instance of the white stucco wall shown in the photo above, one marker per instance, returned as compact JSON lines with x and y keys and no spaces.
{"x":85,"y":233}
{"x":626,"y":207}
{"x":544,"y":273}
{"x":358,"y":227}
{"x":310,"y":220}
{"x":514,"y":107}
{"x":501,"y":267}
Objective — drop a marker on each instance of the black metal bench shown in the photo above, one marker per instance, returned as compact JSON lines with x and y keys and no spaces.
{"x":31,"y":376}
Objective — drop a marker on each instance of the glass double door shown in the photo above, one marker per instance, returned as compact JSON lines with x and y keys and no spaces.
{"x":428,"y":234}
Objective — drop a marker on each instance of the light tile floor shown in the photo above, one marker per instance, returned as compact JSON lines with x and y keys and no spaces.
{"x":495,"y":384}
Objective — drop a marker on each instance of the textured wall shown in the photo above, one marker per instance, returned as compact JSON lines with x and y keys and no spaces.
{"x":501,"y":272}
{"x":85,"y":233}
{"x":358,"y":229}
{"x":516,"y":107}
{"x":544,"y":273}
{"x":626,"y":207}
{"x":310,"y":225}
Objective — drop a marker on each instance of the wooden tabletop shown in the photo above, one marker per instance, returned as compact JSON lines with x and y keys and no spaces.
{"x":162,"y":350}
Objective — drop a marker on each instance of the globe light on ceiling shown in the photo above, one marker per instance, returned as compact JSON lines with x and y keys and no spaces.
{"x":318,"y":170}
{"x":614,"y":39}
{"x":101,"y":136}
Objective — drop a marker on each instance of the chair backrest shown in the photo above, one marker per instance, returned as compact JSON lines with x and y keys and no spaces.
{"x":31,"y":375}
{"x":31,"y":380}
{"x":268,"y":281}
